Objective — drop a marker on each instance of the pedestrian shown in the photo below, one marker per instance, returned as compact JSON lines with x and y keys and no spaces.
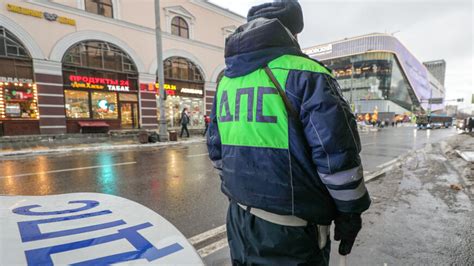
{"x":184,"y":122}
{"x":207,"y":120}
{"x":286,"y":146}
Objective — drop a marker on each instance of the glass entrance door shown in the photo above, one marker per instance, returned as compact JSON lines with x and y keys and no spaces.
{"x":129,"y":115}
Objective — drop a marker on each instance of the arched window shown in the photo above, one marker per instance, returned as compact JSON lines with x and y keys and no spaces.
{"x":99,"y":55}
{"x":100,"y":7}
{"x":17,"y":92}
{"x":97,"y":76}
{"x":179,"y":27}
{"x":15,"y":61}
{"x":182,"y":69}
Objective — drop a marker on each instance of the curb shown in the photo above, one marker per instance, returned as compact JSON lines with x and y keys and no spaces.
{"x":95,"y":148}
{"x":385,"y":168}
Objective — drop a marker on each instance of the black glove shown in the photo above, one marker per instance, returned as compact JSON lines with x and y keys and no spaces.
{"x":347,"y":227}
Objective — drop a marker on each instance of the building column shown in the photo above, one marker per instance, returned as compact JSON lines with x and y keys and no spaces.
{"x":210,"y":92}
{"x":49,"y":83}
{"x":147,"y":102}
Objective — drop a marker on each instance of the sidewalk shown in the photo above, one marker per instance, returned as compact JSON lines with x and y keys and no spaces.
{"x":94,"y":142}
{"x":421,"y":212}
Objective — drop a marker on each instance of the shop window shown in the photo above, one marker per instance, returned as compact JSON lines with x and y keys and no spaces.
{"x":104,"y":105}
{"x":100,"y":7}
{"x":18,"y":95}
{"x":174,"y":105}
{"x":179,"y":27}
{"x":18,"y":101}
{"x":77,"y":104}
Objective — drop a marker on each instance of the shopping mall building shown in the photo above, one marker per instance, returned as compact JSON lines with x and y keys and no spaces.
{"x":64,"y":62}
{"x":377,"y":71}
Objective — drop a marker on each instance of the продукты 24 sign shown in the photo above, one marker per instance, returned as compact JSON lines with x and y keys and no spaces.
{"x":87,"y":229}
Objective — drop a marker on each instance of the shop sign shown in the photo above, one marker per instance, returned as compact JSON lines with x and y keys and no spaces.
{"x":175,"y":89}
{"x":15,"y":80}
{"x":191,"y":91}
{"x":40,"y":14}
{"x":169,"y":88}
{"x":85,"y":82}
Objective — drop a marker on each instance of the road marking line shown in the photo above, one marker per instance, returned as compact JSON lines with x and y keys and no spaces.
{"x":207,"y":235}
{"x":68,"y":170}
{"x":214,"y":247}
{"x":196,"y":155}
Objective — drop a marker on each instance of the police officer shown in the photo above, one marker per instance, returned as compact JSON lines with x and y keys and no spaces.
{"x":286,"y":146}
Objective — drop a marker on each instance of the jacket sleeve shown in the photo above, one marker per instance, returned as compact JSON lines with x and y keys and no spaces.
{"x":331,"y":131}
{"x":214,"y":145}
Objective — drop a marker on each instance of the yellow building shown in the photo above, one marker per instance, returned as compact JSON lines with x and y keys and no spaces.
{"x":64,"y":62}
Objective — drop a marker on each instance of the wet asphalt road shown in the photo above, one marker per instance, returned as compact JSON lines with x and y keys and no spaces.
{"x":177,"y":182}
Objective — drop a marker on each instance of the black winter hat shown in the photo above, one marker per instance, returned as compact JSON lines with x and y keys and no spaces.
{"x":288,"y":12}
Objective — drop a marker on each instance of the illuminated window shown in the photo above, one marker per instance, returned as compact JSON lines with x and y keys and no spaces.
{"x":104,"y":105}
{"x":100,"y":7}
{"x":179,"y":27}
{"x":77,"y":104}
{"x":18,"y":99}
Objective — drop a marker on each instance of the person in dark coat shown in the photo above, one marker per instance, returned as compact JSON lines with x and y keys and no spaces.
{"x":286,"y":146}
{"x":184,"y":122}
{"x":207,"y":121}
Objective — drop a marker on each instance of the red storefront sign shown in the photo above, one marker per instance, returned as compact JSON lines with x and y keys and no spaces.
{"x":85,"y":82}
{"x":169,"y":88}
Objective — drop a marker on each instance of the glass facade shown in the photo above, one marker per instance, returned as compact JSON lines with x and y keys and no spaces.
{"x":372,"y":76}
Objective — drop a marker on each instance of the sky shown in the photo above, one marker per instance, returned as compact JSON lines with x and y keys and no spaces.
{"x":431,"y":30}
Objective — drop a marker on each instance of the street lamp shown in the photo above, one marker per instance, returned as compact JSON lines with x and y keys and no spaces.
{"x":159,"y":54}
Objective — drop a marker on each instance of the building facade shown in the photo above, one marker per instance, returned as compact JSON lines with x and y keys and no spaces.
{"x":377,"y":71}
{"x":63,"y":62}
{"x":437,"y":68}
